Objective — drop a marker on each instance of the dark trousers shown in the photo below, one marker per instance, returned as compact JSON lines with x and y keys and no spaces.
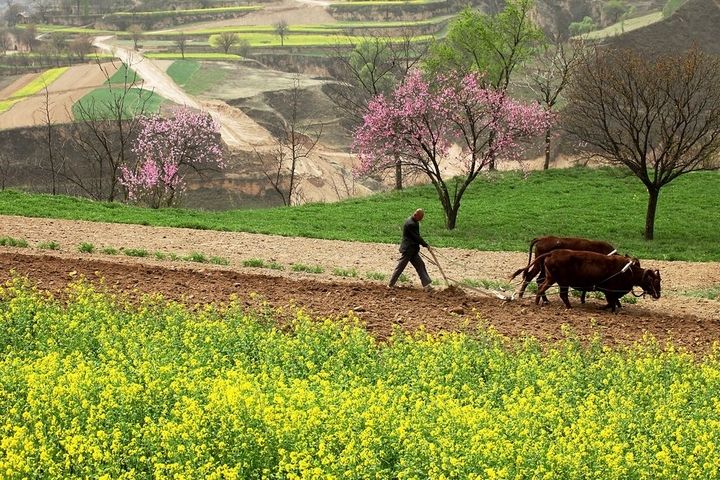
{"x":417,"y":262}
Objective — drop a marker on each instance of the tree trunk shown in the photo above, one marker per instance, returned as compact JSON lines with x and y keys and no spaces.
{"x":451,"y":217}
{"x":491,"y":155}
{"x":398,"y":173}
{"x":547,"y":149}
{"x":653,"y":195}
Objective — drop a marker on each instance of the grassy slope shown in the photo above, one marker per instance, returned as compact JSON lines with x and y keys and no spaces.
{"x":103,"y":96}
{"x":192,"y":78}
{"x":502,"y":212}
{"x":626,"y":26}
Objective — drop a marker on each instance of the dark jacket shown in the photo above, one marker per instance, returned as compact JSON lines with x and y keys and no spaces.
{"x":411,"y":240}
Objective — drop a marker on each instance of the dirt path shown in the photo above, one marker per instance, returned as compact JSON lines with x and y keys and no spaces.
{"x":691,"y":322}
{"x":237,"y":130}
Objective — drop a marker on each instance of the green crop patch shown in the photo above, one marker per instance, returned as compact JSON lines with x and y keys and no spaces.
{"x":100,"y":103}
{"x":39,"y":83}
{"x":182,"y":70}
{"x":195,"y":56}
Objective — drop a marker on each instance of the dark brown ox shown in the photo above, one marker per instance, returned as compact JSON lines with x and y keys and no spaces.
{"x":613,"y":275}
{"x":545,"y":245}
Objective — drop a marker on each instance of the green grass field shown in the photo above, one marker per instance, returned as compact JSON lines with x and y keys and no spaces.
{"x":500,"y":212}
{"x":196,"y":80}
{"x":102,"y":97}
{"x":626,"y":26}
{"x":125,"y":75}
{"x":182,"y":71}
{"x":195,"y":56}
{"x":331,"y":28}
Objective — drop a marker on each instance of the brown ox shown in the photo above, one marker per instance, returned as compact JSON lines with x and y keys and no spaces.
{"x":544,"y":245}
{"x":613,"y":275}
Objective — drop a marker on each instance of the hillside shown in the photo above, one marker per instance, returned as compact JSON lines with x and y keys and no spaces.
{"x":695,"y":23}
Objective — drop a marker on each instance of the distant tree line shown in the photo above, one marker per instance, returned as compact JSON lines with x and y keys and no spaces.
{"x":28,"y":52}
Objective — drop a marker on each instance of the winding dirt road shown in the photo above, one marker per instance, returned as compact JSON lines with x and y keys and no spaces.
{"x":237,"y":129}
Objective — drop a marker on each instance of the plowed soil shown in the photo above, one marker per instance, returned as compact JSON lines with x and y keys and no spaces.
{"x":63,"y":93}
{"x":687,"y":322}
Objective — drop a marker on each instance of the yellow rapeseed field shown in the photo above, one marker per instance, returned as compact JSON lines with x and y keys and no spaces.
{"x":93,"y":386}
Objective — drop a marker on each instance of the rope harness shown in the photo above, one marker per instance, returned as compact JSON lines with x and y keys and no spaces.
{"x":481,"y":290}
{"x":552,"y":291}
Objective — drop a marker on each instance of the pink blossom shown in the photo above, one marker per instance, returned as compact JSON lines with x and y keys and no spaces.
{"x":167,"y":149}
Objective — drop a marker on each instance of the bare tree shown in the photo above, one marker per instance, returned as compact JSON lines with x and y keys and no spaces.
{"x":54,"y":163}
{"x":549,"y":78}
{"x":294,"y":145}
{"x":28,"y":37}
{"x":57,"y":41}
{"x":81,"y":46}
{"x":5,"y":42}
{"x":11,"y":13}
{"x":181,"y":41}
{"x":225,"y":41}
{"x":658,"y":117}
{"x":282,"y":29}
{"x":105,"y":130}
{"x":42,"y":9}
{"x":136,"y":33}
{"x":6,"y":169}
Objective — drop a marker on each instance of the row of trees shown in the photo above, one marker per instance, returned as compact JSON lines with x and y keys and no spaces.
{"x":44,"y":11}
{"x":658,"y":117}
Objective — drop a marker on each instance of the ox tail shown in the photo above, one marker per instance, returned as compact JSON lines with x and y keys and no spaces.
{"x":530,"y":265}
{"x":532,"y":244}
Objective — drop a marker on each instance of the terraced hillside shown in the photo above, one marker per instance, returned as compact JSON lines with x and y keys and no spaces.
{"x":695,"y":23}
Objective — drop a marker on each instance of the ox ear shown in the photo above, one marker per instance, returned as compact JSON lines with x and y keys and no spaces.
{"x":636,"y":262}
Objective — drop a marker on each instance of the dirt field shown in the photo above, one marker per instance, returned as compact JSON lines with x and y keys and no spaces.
{"x":64,"y":92}
{"x":293,"y":12}
{"x":689,"y":322}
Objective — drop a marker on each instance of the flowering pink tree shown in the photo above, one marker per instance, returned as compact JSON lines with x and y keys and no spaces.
{"x":423,"y":119}
{"x":167,"y":149}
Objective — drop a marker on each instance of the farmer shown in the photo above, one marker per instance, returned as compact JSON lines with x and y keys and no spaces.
{"x":410,"y":250}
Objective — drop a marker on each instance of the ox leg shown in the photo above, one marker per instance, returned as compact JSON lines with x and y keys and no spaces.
{"x":613,"y":302}
{"x":543,"y":288}
{"x":527,"y":278}
{"x":564,"y":296}
{"x":582,"y":296}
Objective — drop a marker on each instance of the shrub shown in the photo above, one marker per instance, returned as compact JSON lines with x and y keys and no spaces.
{"x":196,"y":257}
{"x":342,"y":272}
{"x":86,"y":247}
{"x":53,"y":245}
{"x":136,"y":252}
{"x":13,"y":242}
{"x":299,"y":267}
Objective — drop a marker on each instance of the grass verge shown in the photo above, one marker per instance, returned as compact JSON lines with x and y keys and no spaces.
{"x":502,"y":211}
